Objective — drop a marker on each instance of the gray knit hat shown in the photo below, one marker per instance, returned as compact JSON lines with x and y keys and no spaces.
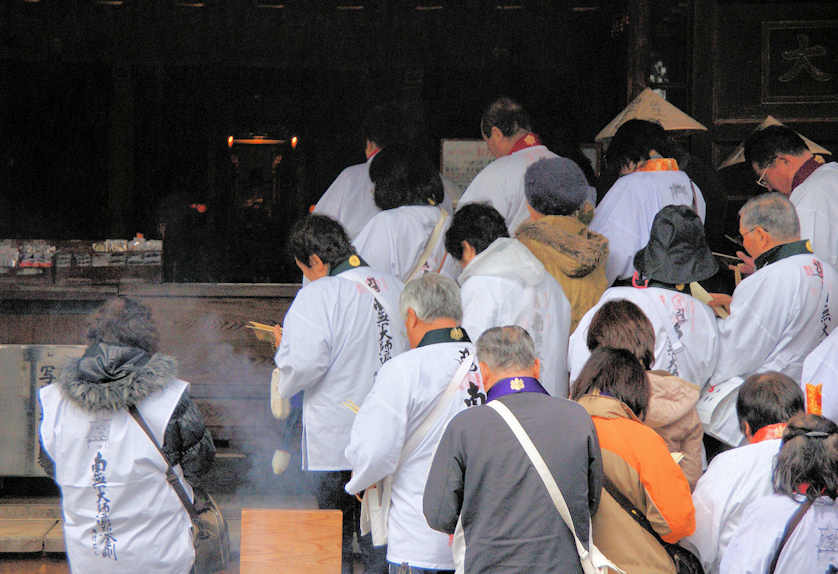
{"x":555,"y":186}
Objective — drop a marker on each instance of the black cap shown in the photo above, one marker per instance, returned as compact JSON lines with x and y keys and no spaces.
{"x":677,"y":251}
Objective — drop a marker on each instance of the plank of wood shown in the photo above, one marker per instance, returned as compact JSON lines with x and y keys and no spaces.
{"x":290,"y":541}
{"x":24,"y":535}
{"x":54,"y":539}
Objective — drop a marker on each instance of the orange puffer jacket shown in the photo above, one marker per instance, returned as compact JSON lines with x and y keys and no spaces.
{"x":637,"y":461}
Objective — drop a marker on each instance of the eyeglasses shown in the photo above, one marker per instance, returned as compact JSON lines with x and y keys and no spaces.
{"x":761,"y":181}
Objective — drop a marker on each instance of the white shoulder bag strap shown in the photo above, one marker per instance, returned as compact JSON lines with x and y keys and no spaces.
{"x":429,"y":246}
{"x":592,"y":560}
{"x":375,"y":505}
{"x":440,"y":408}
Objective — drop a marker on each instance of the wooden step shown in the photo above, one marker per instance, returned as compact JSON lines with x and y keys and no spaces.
{"x":27,"y":535}
{"x":31,"y":508}
{"x":34,"y":524}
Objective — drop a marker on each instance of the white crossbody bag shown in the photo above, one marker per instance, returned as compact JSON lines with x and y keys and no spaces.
{"x":375,"y":505}
{"x":593,"y":561}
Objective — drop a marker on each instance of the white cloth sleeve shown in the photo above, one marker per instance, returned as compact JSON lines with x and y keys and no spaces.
{"x":304,"y":353}
{"x":751,"y":332}
{"x":378,"y":432}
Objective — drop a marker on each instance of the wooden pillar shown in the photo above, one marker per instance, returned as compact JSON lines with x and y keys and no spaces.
{"x":638,"y":47}
{"x":121,"y":153}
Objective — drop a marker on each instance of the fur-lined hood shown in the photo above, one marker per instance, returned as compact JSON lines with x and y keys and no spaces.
{"x":113,"y":377}
{"x":566,"y":242}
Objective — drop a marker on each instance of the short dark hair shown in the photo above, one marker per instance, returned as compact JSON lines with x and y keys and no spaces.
{"x":620,"y":324}
{"x":479,"y":224}
{"x":616,"y":373}
{"x":768,"y":398}
{"x":505,"y":114}
{"x":322,"y":236}
{"x":403,"y":175}
{"x":763,"y":145}
{"x":383,"y":124}
{"x":124,"y":321}
{"x":809,"y":455}
{"x":633,"y":142}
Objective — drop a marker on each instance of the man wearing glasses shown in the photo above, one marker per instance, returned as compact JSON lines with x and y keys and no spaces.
{"x":778,"y":315}
{"x":783,"y":163}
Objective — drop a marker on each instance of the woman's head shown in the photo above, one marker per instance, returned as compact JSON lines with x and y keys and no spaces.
{"x":621,"y":324}
{"x":403,"y":175}
{"x":808,"y":457}
{"x":615,"y":373}
{"x":634,"y":142}
{"x":124,"y":321}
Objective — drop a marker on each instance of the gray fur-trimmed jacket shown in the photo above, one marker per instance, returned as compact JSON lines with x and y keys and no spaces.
{"x":114,"y":377}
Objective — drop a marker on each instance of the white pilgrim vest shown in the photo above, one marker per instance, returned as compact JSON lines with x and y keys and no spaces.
{"x":394,"y":239}
{"x":626,"y":213}
{"x":507,"y":285}
{"x":334,"y":341}
{"x":778,"y":316}
{"x":405,"y":393}
{"x":501,"y":184}
{"x":692,"y":357}
{"x":816,"y":202}
{"x":349,"y":199}
{"x":821,"y":368}
{"x":811,"y":548}
{"x":120,"y":514}
{"x":734,"y":479}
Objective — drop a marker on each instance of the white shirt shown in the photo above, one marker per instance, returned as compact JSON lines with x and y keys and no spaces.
{"x":692,"y":322}
{"x":810,"y":549}
{"x":734,"y":479}
{"x":816,"y":201}
{"x":394,"y":239}
{"x":821,"y":368}
{"x":113,"y":483}
{"x":349,"y":199}
{"x":778,"y":316}
{"x":331,"y":349}
{"x":501,"y":184}
{"x":507,"y":285}
{"x":405,"y":392}
{"x":626,"y":213}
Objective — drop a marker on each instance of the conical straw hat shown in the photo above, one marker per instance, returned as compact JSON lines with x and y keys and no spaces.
{"x":738,"y":155}
{"x":652,"y":107}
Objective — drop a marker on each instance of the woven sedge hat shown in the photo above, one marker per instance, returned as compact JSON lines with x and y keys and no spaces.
{"x":677,"y":251}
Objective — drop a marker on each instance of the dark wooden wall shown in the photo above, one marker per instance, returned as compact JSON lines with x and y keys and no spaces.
{"x":108,"y":107}
{"x":740,"y":75}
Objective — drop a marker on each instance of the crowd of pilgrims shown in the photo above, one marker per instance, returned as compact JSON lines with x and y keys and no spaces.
{"x":420,"y":307}
{"x":518,"y":379}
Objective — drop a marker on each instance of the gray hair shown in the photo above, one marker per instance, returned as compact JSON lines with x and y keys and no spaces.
{"x":774,"y":213}
{"x":509,"y":347}
{"x":432,"y":296}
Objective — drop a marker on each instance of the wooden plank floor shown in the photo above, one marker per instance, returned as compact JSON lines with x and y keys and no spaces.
{"x":53,"y":565}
